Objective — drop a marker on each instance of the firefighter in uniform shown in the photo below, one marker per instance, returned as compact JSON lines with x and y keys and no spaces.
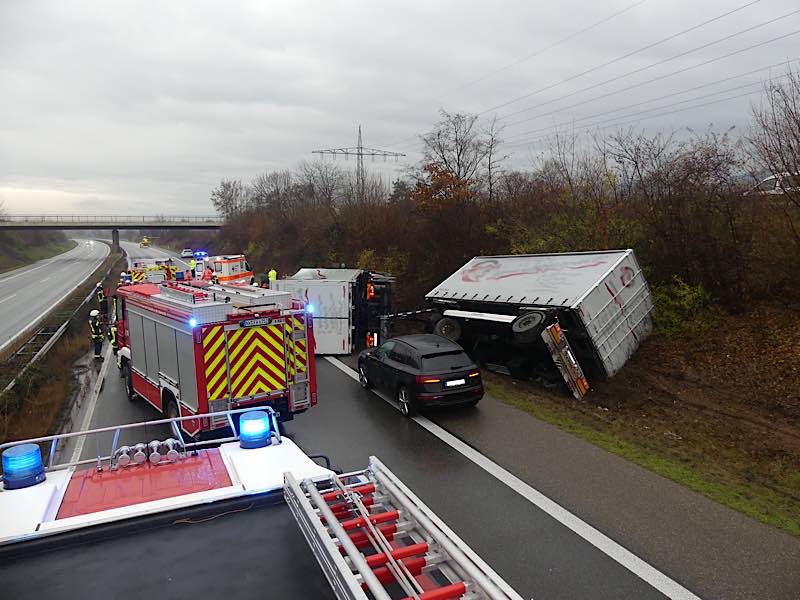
{"x":96,"y":333}
{"x":100,"y":293}
{"x":112,"y":336}
{"x":192,"y":266}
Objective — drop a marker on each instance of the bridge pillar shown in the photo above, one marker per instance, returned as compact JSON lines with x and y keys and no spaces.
{"x":115,"y":240}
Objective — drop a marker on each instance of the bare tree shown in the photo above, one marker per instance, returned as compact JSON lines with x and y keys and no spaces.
{"x":494,"y":157}
{"x":456,"y":145}
{"x":229,"y":197}
{"x":775,"y":141}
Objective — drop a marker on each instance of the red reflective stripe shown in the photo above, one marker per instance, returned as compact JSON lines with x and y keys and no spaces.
{"x":391,"y":515}
{"x":454,"y":590}
{"x":377,"y":560}
{"x":361,"y":489}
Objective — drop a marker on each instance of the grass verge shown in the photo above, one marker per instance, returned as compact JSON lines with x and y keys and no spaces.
{"x":30,"y":255}
{"x":725,"y":475}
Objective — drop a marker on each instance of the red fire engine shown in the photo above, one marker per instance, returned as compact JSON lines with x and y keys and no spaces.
{"x":193,"y":348}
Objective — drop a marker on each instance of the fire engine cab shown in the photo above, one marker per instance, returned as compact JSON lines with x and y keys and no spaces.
{"x":193,"y":348}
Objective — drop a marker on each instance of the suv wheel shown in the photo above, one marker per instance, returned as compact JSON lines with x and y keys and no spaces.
{"x":362,"y":376}
{"x":408,"y":405}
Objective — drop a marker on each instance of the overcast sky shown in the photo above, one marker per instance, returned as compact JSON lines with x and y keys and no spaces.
{"x":141,"y":107}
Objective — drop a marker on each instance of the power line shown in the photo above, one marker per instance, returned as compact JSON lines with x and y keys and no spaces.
{"x":623,"y":56}
{"x":518,"y":61}
{"x":592,"y":126}
{"x":678,"y":93}
{"x":659,"y":62}
{"x":654,"y":79}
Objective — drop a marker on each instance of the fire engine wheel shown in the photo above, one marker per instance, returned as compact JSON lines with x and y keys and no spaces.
{"x":126,"y":373}
{"x":408,"y":405}
{"x":362,"y":376}
{"x":171,"y":409}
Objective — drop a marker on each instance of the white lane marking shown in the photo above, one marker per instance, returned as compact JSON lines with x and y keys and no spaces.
{"x":8,"y":298}
{"x":87,"y":418}
{"x":43,"y":280}
{"x":626,"y":558}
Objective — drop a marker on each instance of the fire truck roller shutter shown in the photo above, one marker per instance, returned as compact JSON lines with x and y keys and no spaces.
{"x":136,"y":333}
{"x":167,"y":351}
{"x":296,"y":336}
{"x":150,"y":349}
{"x":186,"y":369}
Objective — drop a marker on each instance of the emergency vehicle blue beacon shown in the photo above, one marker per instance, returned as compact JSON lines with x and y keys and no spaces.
{"x":22,"y":466}
{"x":254,"y":429}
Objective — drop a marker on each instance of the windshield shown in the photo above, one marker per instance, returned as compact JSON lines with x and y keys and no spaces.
{"x":444,"y":361}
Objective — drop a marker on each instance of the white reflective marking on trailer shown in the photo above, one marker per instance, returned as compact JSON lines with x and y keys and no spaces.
{"x":626,"y":558}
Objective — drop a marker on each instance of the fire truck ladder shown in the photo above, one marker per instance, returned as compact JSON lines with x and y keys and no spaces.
{"x":375,"y":539}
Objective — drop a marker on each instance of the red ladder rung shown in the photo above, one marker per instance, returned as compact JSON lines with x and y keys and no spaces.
{"x":389,"y":515}
{"x":361,"y":489}
{"x":414,"y":565}
{"x":377,"y":560}
{"x":360,"y":539}
{"x":454,"y":590}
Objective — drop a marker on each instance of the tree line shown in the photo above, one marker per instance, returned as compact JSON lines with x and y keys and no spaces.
{"x":684,"y":203}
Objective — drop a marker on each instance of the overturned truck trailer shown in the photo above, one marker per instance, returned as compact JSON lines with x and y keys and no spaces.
{"x":582,"y":312}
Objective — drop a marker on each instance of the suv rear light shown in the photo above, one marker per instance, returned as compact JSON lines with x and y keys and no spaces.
{"x":424,"y":379}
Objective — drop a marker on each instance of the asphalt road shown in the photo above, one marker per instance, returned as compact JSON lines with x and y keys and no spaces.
{"x":133,"y":251}
{"x":29,"y":292}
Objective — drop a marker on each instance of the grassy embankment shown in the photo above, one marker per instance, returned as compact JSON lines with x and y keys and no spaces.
{"x":710,"y":415}
{"x":13,"y":256}
{"x":35,"y":406}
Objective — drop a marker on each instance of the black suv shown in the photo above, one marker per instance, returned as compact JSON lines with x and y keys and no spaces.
{"x":421,"y":371}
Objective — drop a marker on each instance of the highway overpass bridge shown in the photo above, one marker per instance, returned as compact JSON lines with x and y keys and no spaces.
{"x":109,"y":222}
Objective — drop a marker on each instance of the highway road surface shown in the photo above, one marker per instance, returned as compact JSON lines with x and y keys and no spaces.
{"x":557,"y":517}
{"x":133,"y":251}
{"x":29,"y":292}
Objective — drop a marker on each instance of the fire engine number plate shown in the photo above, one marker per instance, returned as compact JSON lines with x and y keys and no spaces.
{"x":455,"y":382}
{"x":255,"y":322}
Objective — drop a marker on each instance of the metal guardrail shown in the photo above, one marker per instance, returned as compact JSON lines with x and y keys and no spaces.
{"x":77,"y":219}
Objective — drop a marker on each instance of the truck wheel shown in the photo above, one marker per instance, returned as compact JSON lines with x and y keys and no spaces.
{"x":126,"y":374}
{"x":526,"y":327}
{"x":171,"y":409}
{"x":449,"y":328}
{"x":362,"y":376}
{"x":408,"y":406}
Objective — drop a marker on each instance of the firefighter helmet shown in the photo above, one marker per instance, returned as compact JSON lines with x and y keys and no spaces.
{"x":99,"y":284}
{"x":94,"y":313}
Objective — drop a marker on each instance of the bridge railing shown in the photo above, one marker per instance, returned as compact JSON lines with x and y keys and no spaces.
{"x":120,"y":219}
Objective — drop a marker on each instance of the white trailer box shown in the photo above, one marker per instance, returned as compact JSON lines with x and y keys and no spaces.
{"x":331,"y":302}
{"x":603,"y":293}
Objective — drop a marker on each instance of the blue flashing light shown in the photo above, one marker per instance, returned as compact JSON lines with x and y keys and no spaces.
{"x":310,"y":308}
{"x":192,"y":322}
{"x":22,"y":466}
{"x":254,"y":429}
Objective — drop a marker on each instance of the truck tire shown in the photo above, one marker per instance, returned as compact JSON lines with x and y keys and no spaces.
{"x":449,"y":328}
{"x":528,"y":326}
{"x":126,"y":375}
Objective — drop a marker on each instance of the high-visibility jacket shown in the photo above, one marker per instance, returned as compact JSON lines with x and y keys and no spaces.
{"x":95,"y":329}
{"x":112,"y":335}
{"x":192,"y":264}
{"x":101,"y":294}
{"x":273,"y":274}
